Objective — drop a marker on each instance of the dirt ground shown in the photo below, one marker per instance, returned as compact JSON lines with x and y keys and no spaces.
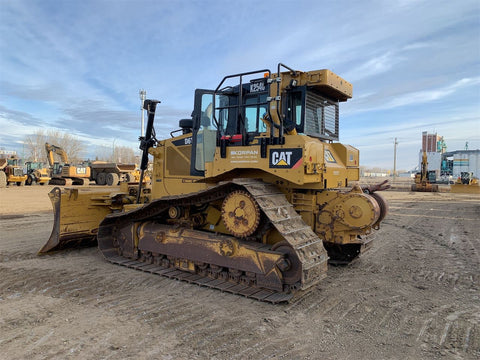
{"x":414,"y":295}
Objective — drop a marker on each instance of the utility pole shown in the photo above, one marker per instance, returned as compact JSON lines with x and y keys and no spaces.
{"x":143,"y":95}
{"x":395,"y":143}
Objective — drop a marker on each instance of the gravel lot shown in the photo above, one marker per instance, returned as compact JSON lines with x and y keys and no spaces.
{"x":414,"y":295}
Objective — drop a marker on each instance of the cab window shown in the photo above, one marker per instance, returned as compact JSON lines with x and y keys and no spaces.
{"x":254,"y":112}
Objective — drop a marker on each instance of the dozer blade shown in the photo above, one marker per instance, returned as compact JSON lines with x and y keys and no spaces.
{"x":465,"y":189}
{"x":76,"y":217}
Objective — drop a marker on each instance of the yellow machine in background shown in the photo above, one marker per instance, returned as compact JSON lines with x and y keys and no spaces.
{"x":422,"y":181}
{"x":37,"y":173}
{"x":63,"y":173}
{"x":11,"y":172}
{"x":112,"y":174}
{"x":252,"y":197}
{"x":466,"y":184}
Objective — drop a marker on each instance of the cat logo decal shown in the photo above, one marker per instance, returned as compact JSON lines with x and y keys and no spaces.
{"x":286,"y":158}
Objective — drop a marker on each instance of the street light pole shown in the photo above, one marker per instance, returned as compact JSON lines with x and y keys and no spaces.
{"x":143,"y":95}
{"x":395,"y":143}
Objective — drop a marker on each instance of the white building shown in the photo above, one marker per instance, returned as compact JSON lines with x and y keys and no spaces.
{"x":460,"y":161}
{"x":434,"y":160}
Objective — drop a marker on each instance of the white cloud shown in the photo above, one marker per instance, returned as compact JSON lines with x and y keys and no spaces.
{"x":424,"y":96}
{"x":373,"y":101}
{"x":374,"y":66}
{"x":417,"y":46}
{"x":79,"y":65}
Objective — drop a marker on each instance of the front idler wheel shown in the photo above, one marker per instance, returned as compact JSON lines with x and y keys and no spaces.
{"x":290,"y":265}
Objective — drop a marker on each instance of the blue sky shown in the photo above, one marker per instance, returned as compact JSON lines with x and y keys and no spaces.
{"x":77,"y":66}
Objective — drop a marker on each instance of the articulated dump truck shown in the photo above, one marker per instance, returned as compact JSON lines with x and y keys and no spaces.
{"x":253,"y":195}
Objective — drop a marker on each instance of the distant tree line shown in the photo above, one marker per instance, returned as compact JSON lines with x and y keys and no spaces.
{"x":35,"y":145}
{"x":118,"y":154}
{"x":75,"y":148}
{"x":365,"y":169}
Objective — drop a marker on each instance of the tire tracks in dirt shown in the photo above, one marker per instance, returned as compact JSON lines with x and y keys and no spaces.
{"x":415,"y":293}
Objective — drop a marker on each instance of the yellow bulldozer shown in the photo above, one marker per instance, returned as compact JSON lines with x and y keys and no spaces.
{"x":466,"y":183}
{"x":253,"y":195}
{"x":63,"y":173}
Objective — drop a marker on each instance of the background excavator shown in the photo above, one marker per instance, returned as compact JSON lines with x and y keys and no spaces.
{"x":62,"y":173}
{"x":103,"y":173}
{"x":251,"y":196}
{"x":422,"y":182}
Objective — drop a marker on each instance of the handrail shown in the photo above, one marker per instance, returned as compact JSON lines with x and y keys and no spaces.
{"x":240,"y":102}
{"x":294,"y":73}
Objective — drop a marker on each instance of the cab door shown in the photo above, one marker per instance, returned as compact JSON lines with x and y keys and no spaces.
{"x":204,"y":132}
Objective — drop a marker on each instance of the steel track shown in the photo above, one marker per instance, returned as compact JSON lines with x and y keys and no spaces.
{"x":281,"y":214}
{"x":219,"y":284}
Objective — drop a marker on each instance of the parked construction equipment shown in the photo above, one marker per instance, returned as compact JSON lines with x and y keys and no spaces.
{"x":63,"y":173}
{"x":422,"y":180}
{"x":37,"y":173}
{"x":104,"y":173}
{"x":252,"y":197}
{"x":11,"y":172}
{"x":466,"y":184}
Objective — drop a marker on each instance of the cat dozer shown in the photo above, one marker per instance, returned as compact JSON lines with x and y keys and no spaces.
{"x":253,"y":195}
{"x":466,"y":184}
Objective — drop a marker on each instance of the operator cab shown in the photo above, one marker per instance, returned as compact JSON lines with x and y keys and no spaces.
{"x":243,"y":114}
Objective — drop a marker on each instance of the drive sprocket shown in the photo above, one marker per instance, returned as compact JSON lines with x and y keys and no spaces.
{"x":240,"y":213}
